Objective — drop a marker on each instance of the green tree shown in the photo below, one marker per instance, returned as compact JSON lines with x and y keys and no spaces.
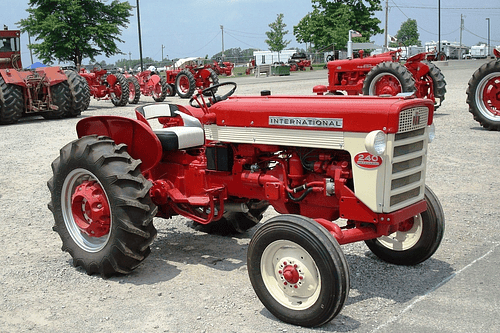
{"x":330,"y":21}
{"x":70,"y":30}
{"x":407,"y":34}
{"x":276,"y":37}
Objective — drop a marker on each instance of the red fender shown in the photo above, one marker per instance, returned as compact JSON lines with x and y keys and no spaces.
{"x":111,"y":79}
{"x":153,"y":80}
{"x":141,"y":142}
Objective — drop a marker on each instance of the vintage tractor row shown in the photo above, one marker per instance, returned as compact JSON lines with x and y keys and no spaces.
{"x":483,"y":94}
{"x":50,"y":92}
{"x":338,"y":172}
{"x":383,"y":74}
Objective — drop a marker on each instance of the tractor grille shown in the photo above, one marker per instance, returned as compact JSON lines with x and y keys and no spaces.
{"x":407,"y":172}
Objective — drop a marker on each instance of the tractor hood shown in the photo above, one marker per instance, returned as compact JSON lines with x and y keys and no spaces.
{"x":318,"y":113}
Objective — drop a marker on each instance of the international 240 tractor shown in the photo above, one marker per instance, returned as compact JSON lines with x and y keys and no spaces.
{"x":107,"y":86}
{"x":483,"y":94}
{"x":50,"y":92}
{"x":148,"y":83}
{"x":338,"y":169}
{"x":383,"y":74}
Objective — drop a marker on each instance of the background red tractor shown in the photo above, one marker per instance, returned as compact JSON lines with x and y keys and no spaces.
{"x":299,"y":62}
{"x":189,"y":74}
{"x":338,"y":173}
{"x":222,"y":67}
{"x":483,"y":94}
{"x":383,"y":74}
{"x":104,"y":85}
{"x":148,"y":83}
{"x":49,"y":91}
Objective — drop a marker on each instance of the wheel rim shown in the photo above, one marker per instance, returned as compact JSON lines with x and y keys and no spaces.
{"x":86,"y":210}
{"x":290,"y":275}
{"x":157,"y":91}
{"x":385,"y":84}
{"x":488,"y":96}
{"x":406,"y":237}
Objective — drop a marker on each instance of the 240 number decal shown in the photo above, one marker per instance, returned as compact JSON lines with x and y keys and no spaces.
{"x":367,"y":161}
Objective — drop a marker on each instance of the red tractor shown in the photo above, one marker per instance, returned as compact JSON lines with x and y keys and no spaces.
{"x":50,"y":92}
{"x":104,"y":85}
{"x":299,"y":62}
{"x":148,"y":83}
{"x":223,"y":67}
{"x":483,"y":94}
{"x":338,"y":173}
{"x":189,"y":74}
{"x":383,"y":74}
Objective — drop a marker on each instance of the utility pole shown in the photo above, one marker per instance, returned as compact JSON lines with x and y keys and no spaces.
{"x":222,"y":55}
{"x":439,"y":27}
{"x":386,"y":46}
{"x":139,"y":27}
{"x":461,"y":28}
{"x":162,"y":47}
{"x":488,"y":54}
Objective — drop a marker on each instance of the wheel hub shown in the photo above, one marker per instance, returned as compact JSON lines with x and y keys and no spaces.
{"x":293,"y":276}
{"x":491,"y":96}
{"x":90,"y":209}
{"x":387,"y":85}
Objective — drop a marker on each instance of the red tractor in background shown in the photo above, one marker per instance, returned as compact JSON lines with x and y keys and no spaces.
{"x":189,"y":74}
{"x":221,"y":67}
{"x":299,"y":62}
{"x":483,"y":94}
{"x":148,"y":83}
{"x":383,"y":74}
{"x":107,"y":86}
{"x":353,"y":170}
{"x":50,"y":92}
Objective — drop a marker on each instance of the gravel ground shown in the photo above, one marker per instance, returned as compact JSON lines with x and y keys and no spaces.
{"x":194,"y":282}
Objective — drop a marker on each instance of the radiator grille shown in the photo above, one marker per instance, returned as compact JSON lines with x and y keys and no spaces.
{"x":407,"y":170}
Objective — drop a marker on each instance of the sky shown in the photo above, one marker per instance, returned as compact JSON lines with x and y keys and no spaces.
{"x":192,"y":28}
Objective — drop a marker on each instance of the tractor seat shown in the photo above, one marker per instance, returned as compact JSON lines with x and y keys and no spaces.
{"x":177,"y":137}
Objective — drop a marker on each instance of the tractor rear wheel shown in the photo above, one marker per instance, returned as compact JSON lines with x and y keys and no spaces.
{"x":101,"y":206}
{"x":212,"y":80}
{"x":79,"y":94}
{"x":185,"y":84}
{"x":62,"y":98}
{"x":134,"y":90}
{"x":233,"y":223}
{"x":417,"y":238}
{"x":160,"y":90}
{"x":483,"y":95}
{"x":388,"y":78}
{"x":11,"y":103}
{"x":121,"y":93}
{"x":298,"y":270}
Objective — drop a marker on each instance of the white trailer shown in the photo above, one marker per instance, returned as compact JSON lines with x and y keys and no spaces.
{"x":479,"y":51}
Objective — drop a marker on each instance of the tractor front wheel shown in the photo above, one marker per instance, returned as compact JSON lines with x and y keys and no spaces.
{"x":134,"y":90}
{"x":416,"y":240}
{"x":185,"y":84}
{"x":483,"y":95}
{"x":101,"y":206}
{"x":298,"y":270}
{"x":11,"y":103}
{"x":388,"y":78}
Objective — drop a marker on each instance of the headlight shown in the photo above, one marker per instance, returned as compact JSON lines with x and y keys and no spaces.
{"x":375,"y":142}
{"x":432,"y":132}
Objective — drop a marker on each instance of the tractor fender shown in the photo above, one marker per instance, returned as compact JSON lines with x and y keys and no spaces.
{"x":111,"y":79}
{"x":52,"y":75}
{"x":142,"y":143}
{"x":153,"y":80}
{"x":204,"y":73}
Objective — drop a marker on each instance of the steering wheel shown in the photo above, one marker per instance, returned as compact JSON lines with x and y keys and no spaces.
{"x":214,"y":98}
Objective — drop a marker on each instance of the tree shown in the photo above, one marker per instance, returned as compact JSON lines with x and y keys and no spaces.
{"x":70,"y":30}
{"x":330,"y":21}
{"x":407,"y":34}
{"x":276,"y":37}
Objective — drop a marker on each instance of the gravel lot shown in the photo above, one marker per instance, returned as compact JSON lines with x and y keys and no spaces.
{"x":194,"y":282}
